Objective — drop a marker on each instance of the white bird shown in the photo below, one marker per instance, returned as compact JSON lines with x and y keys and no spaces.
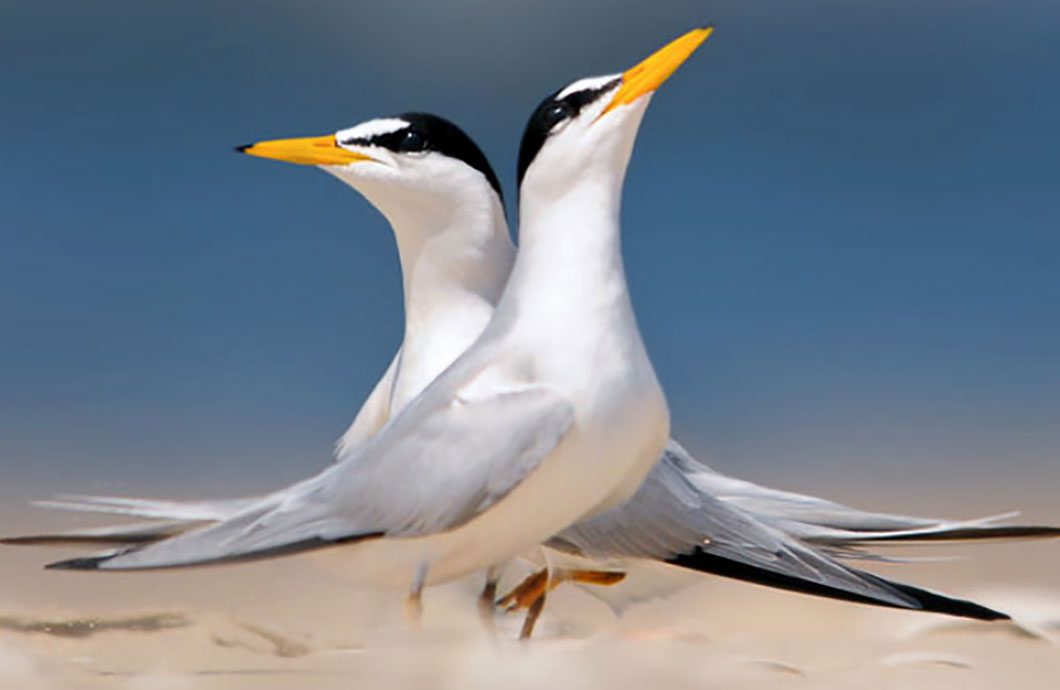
{"x":445,"y":207}
{"x":455,"y":255}
{"x":553,"y":414}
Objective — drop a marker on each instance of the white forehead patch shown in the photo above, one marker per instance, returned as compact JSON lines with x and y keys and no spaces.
{"x":587,"y":84}
{"x":372,"y":128}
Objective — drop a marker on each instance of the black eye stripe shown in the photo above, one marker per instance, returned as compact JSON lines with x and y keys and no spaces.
{"x":543,"y":120}
{"x":389,"y":140}
{"x":557,"y":113}
{"x":580,"y":99}
{"x":436,"y":134}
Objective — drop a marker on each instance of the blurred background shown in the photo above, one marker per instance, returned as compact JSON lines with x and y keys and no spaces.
{"x":840,"y":226}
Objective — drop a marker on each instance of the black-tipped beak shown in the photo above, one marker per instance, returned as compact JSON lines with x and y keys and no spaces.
{"x":323,"y":150}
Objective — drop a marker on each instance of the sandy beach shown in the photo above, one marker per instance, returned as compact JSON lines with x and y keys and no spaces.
{"x":289,"y":623}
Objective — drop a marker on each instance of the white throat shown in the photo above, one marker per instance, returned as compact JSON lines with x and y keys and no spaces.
{"x":570,"y":256}
{"x":455,"y":256}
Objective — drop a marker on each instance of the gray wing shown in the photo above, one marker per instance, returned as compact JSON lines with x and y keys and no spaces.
{"x":671,"y":519}
{"x":440,"y":463}
{"x":172,"y":518}
{"x":669,"y":516}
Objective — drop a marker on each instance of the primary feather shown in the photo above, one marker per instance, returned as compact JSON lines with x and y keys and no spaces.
{"x":675,"y":521}
{"x":466,"y":472}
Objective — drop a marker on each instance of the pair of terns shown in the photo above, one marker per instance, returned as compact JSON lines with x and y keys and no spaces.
{"x":522,"y":408}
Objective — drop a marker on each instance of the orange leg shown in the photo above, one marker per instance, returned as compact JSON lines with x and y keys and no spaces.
{"x":533,"y":611}
{"x":530,"y":593}
{"x":526,"y":592}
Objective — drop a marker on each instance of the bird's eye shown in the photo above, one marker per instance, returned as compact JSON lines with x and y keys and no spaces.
{"x":557,"y":113}
{"x":412,"y":142}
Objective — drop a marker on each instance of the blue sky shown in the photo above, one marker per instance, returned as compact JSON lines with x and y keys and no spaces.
{"x":840,"y":226}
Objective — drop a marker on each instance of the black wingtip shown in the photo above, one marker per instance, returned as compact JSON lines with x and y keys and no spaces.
{"x":88,"y":563}
{"x":940,"y":603}
{"x":126,"y":539}
{"x":920,"y":599}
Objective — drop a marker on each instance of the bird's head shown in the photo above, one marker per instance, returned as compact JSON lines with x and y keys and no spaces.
{"x":401,"y":164}
{"x":590,"y":124}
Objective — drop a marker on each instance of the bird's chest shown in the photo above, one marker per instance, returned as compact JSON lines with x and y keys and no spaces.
{"x":611,"y":382}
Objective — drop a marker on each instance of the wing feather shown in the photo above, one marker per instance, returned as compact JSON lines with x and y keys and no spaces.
{"x":441,"y":462}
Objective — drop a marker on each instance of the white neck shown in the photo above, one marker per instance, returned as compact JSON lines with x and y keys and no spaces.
{"x":569,"y":268}
{"x":455,"y":260}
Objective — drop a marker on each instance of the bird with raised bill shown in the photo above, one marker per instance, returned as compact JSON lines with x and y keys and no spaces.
{"x":554,"y":412}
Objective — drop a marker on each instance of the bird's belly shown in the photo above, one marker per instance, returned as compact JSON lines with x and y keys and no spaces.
{"x":637,"y":435}
{"x":382,"y":563}
{"x":584,"y":470}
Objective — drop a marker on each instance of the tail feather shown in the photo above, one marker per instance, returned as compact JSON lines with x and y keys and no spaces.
{"x":910,"y":597}
{"x":843,"y":526}
{"x":178,"y":517}
{"x":826,"y":523}
{"x":987,"y":533}
{"x":123,"y":535}
{"x":189,"y":511}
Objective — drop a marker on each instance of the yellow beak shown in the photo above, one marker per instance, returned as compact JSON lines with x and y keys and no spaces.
{"x":305,"y":151}
{"x":657,"y":68}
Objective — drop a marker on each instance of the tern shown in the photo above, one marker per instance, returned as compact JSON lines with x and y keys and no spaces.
{"x":455,"y":255}
{"x":553,"y":414}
